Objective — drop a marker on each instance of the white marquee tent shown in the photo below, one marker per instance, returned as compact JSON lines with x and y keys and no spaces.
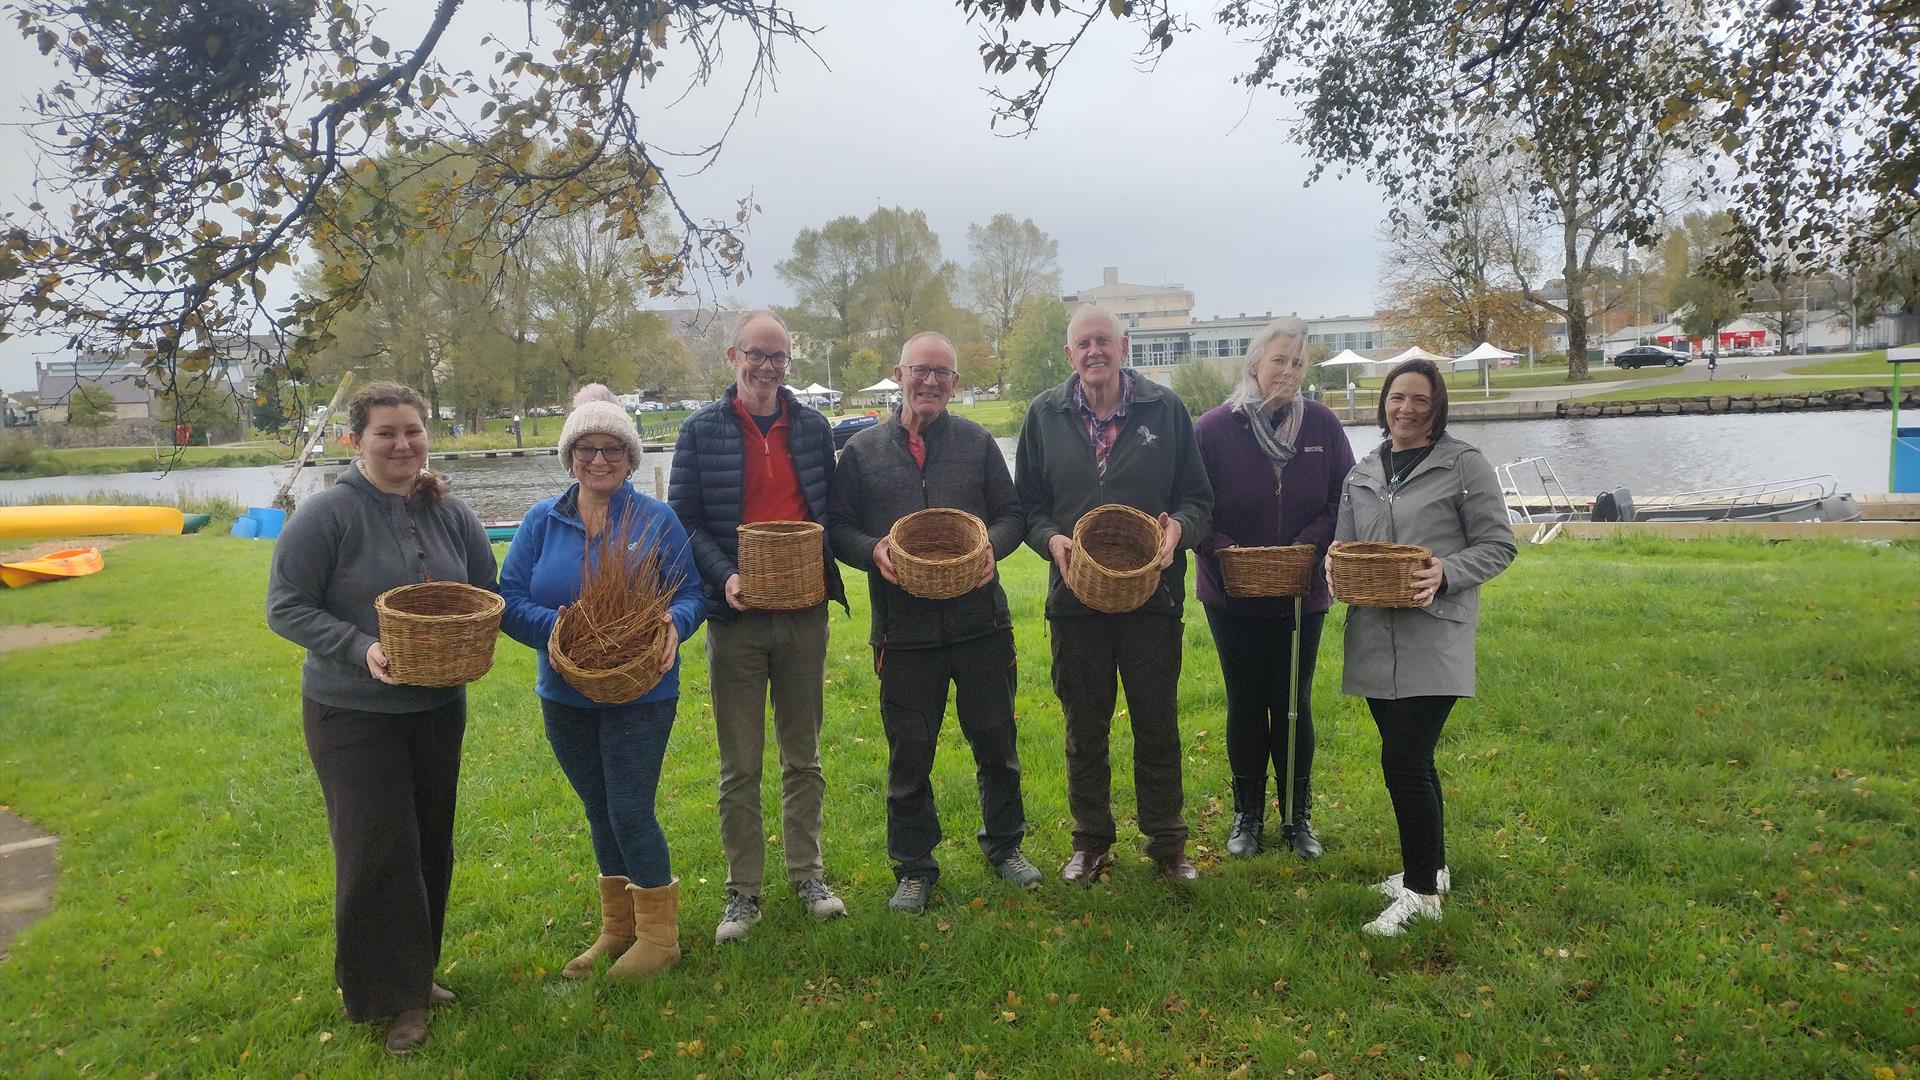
{"x":1485,"y":357}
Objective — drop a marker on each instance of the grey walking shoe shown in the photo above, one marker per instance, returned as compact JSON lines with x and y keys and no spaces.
{"x":911,"y":895}
{"x":741,"y":913}
{"x":1016,"y":869}
{"x":819,"y":899}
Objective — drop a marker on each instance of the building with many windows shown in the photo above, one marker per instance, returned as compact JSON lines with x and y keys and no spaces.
{"x":1163,"y":334}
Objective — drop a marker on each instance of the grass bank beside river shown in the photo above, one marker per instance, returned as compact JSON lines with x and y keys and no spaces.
{"x":1681,"y":823}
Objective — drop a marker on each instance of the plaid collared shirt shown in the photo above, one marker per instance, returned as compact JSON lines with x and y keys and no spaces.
{"x":1102,"y":433}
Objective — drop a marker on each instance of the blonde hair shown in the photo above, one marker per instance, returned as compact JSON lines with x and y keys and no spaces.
{"x":1246,"y":392}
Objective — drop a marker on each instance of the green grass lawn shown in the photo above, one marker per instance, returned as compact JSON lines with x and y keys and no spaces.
{"x":115,"y":459}
{"x":1726,"y":384}
{"x":1871,"y":363}
{"x":1682,"y":817}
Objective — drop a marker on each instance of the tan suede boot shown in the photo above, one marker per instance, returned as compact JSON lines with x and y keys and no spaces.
{"x":616,"y":928}
{"x":656,"y":927}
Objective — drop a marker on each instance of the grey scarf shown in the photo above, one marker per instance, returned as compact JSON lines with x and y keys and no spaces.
{"x":1276,"y":435}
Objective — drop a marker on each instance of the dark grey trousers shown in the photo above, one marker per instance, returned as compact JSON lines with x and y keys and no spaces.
{"x":913,"y":704}
{"x":389,"y":781}
{"x":1143,"y":651}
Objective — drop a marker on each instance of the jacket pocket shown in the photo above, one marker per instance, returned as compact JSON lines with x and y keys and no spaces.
{"x":1452,"y":610}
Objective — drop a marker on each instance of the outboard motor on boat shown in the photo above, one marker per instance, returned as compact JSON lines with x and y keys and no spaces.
{"x":1615,"y":505}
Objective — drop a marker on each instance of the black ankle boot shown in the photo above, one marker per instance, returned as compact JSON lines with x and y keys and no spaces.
{"x":1300,"y":833}
{"x":1249,"y":816}
{"x":1243,"y":840}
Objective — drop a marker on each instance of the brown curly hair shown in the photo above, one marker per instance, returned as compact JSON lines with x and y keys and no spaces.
{"x":430,"y":489}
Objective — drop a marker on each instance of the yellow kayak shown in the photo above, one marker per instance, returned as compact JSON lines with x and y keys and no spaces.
{"x":78,"y":562}
{"x":22,"y":522}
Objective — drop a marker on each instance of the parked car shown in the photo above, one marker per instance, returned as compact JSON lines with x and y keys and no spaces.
{"x":851,"y":426}
{"x":1650,"y":356}
{"x":653,"y":406}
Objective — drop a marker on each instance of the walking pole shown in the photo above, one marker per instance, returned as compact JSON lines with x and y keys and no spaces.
{"x":1293,"y":719}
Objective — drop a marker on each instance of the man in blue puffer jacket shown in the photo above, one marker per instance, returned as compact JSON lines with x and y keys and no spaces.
{"x":757,"y":454}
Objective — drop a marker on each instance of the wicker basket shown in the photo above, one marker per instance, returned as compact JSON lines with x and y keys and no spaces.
{"x":613,"y":686}
{"x":438,"y":633}
{"x":1367,"y":574}
{"x":782,"y":565}
{"x":1116,"y":558}
{"x":939,"y":553}
{"x":1267,"y":571}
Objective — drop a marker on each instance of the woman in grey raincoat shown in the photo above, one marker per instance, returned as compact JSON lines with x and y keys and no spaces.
{"x":1421,"y":486}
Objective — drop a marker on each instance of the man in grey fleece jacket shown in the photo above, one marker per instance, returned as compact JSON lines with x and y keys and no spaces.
{"x":922,"y":457}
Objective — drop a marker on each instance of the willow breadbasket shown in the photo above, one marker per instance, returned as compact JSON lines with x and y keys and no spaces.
{"x":1267,"y":571}
{"x":782,"y":565}
{"x":438,"y":633}
{"x":1116,"y":558}
{"x":1369,"y":574}
{"x":939,"y":553}
{"x":622,"y":681}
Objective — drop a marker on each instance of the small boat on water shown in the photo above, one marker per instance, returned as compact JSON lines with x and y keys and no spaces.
{"x":57,"y":519}
{"x":75,"y":562}
{"x":1805,"y":498}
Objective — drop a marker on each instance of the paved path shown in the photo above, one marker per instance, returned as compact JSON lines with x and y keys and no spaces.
{"x":27,"y":873}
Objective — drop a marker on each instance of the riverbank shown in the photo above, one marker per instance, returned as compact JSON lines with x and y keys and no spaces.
{"x":1793,"y":398}
{"x":1679,"y":818}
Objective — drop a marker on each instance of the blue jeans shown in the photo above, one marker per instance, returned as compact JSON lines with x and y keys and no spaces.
{"x":612,"y":757}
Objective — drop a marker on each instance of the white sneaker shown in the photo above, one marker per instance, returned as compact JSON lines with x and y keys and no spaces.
{"x":819,"y":899}
{"x":1391,"y":887}
{"x":1405,"y":908}
{"x":741,"y":913}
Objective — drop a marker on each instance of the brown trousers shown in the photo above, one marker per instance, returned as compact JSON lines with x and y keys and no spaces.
{"x":1143,"y":650}
{"x":389,"y":781}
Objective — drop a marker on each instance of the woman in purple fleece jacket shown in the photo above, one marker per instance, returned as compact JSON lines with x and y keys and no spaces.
{"x":1277,"y":462}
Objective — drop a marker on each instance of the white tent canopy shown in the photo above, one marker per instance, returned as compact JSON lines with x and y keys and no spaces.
{"x":883,"y":386}
{"x":1347,"y":357}
{"x":1482,"y":353}
{"x":1415,"y":352}
{"x":817,"y":389}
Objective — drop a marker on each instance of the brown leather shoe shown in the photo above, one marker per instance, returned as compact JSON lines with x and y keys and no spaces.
{"x":408,"y":1033}
{"x":1179,"y":868}
{"x":1086,"y":867}
{"x":440,"y":995}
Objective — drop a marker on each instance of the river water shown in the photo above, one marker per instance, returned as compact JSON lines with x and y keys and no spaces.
{"x":1653,"y":455}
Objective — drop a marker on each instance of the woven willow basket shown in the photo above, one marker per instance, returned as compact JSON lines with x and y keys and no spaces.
{"x":1267,"y":571}
{"x":1116,"y":558}
{"x":781,"y":565}
{"x":1368,"y":574}
{"x":612,"y":686}
{"x":939,"y":553}
{"x":438,"y":633}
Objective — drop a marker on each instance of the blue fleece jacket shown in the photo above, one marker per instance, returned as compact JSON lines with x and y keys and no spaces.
{"x":543,"y":571}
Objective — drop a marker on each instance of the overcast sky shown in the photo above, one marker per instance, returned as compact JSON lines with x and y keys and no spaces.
{"x":1173,"y":175}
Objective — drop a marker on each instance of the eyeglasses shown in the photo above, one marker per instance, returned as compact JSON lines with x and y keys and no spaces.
{"x":775,"y":360}
{"x":612,"y":455}
{"x":923,"y":373}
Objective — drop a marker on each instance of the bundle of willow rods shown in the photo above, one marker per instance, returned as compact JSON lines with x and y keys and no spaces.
{"x":616,"y":619}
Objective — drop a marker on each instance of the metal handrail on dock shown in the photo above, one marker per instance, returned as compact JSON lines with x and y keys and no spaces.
{"x":1560,"y":508}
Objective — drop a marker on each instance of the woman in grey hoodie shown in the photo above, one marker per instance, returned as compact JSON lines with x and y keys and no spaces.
{"x":1425,"y":487}
{"x":388,"y":755}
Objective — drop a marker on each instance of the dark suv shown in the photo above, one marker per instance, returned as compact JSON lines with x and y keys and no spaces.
{"x":1650,"y":356}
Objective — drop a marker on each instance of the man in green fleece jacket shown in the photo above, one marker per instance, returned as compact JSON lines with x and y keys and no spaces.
{"x":1108,"y":435}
